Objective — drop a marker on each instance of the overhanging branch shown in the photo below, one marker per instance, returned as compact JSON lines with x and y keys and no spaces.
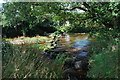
{"x":70,"y":9}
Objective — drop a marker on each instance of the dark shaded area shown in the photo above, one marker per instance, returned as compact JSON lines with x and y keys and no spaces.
{"x":80,"y":30}
{"x":11,"y":32}
{"x":40,"y":30}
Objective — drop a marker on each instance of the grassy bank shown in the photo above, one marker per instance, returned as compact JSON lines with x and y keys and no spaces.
{"x":27,"y":40}
{"x":104,"y":60}
{"x":24,"y":62}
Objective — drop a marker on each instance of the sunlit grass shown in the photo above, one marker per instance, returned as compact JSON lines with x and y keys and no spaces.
{"x":27,"y":40}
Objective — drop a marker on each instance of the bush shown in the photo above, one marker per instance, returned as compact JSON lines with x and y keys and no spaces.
{"x":105,"y":54}
{"x":64,"y":28}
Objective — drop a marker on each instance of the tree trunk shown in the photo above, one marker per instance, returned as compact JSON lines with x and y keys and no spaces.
{"x":23,"y":32}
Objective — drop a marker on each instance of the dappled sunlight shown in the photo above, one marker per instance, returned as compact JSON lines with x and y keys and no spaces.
{"x":28,"y":40}
{"x":54,"y":40}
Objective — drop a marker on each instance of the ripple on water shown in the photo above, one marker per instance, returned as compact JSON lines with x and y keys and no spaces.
{"x":76,"y":44}
{"x":81,"y":44}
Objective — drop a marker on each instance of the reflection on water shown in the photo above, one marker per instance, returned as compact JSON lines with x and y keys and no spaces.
{"x":78,"y":44}
{"x":83,"y":54}
{"x":75,"y":43}
{"x":67,"y":38}
{"x":75,"y":40}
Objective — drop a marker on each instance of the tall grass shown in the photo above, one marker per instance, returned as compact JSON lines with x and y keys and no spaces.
{"x":105,"y":55}
{"x":24,"y":62}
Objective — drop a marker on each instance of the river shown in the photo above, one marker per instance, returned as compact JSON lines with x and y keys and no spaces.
{"x":76,"y":44}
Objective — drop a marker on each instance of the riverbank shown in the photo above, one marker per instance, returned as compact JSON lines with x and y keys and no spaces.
{"x":27,"y":40}
{"x":28,"y":60}
{"x":104,"y":60}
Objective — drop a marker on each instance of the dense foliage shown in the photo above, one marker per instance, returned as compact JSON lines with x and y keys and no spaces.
{"x":26,"y":19}
{"x":30,"y":18}
{"x":104,"y":61}
{"x":100,"y":20}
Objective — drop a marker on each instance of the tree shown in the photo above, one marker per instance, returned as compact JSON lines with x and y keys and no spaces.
{"x":51,"y":14}
{"x":26,"y":16}
{"x":103,"y":13}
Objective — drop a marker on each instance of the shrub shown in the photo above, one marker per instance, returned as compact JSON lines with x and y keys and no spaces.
{"x":104,"y":58}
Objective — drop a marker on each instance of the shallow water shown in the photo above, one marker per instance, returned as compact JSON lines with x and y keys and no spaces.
{"x":76,"y":44}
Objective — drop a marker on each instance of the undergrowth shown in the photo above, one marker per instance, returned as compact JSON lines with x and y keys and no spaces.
{"x":104,"y":53}
{"x":23,"y":62}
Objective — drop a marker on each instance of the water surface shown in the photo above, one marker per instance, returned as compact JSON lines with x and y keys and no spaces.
{"x":76,"y":44}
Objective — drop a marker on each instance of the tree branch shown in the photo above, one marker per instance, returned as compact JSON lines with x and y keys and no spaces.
{"x":70,"y":9}
{"x":87,"y":6}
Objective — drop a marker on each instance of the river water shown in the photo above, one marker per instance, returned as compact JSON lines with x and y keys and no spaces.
{"x":76,"y":44}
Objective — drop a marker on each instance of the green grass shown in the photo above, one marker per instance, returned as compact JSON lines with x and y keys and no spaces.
{"x":105,"y":55}
{"x":24,"y":62}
